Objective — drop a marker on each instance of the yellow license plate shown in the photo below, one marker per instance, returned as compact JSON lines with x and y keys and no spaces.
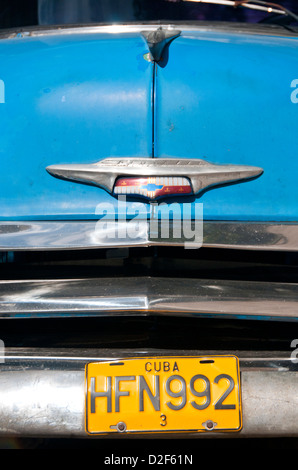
{"x":158,"y":394}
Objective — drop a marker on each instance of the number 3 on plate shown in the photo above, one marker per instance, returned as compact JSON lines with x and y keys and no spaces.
{"x":164,"y":420}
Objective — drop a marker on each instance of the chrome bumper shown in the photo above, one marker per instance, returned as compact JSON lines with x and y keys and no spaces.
{"x":42,"y":393}
{"x":70,"y":235}
{"x":144,"y":296}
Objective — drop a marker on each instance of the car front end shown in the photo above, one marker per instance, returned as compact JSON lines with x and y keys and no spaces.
{"x":148,"y":224}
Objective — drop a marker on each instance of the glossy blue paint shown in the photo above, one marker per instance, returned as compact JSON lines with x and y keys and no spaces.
{"x":226,"y":98}
{"x":69,"y":99}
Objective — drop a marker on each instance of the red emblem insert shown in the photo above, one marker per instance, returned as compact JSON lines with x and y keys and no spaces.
{"x":153,"y":187}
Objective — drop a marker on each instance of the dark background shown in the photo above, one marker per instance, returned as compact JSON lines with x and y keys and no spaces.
{"x":21,"y":13}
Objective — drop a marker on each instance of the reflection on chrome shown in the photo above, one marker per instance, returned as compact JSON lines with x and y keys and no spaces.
{"x":69,"y":235}
{"x":42,"y":392}
{"x":149,"y":296}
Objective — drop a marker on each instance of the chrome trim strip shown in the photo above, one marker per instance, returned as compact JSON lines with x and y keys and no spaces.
{"x":271,"y":236}
{"x":60,"y":30}
{"x":71,"y":235}
{"x":145,"y":296}
{"x":42,"y":393}
{"x":201,"y":173}
{"x":134,"y":28}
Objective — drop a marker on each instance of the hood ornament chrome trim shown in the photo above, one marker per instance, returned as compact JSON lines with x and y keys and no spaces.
{"x":157,"y":41}
{"x":201,"y":173}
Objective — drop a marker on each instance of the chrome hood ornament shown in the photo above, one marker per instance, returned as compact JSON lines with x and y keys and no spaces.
{"x":153,"y":178}
{"x":158,"y":40}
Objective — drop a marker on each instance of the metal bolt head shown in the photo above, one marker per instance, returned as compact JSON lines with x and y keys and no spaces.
{"x":209,"y":425}
{"x":121,"y":427}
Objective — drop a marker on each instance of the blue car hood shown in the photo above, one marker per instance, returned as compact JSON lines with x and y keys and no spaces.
{"x":230,"y":98}
{"x":225,"y":97}
{"x":69,"y":99}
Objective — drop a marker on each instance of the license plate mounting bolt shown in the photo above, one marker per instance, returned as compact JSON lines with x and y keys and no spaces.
{"x":121,"y":426}
{"x":209,"y":425}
